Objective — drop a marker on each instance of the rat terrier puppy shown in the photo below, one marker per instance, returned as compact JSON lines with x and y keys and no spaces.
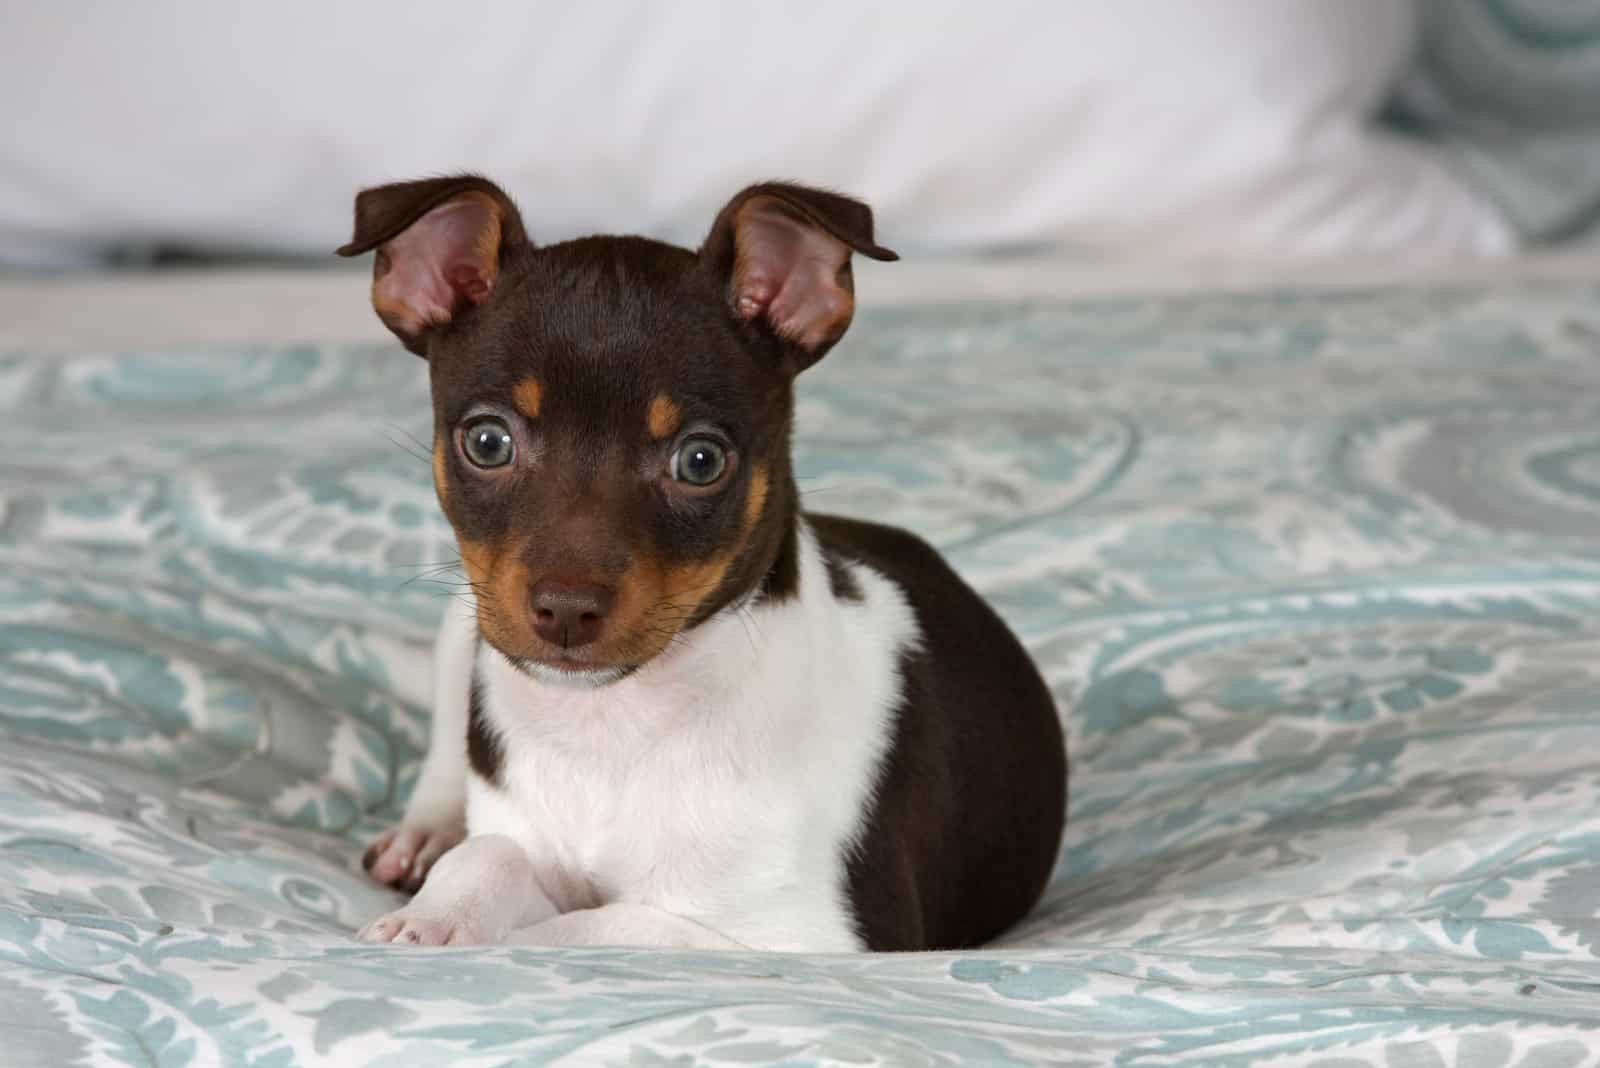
{"x":678,"y":710}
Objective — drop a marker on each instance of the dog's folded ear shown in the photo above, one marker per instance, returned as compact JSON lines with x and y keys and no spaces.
{"x":440,"y":244}
{"x":783,"y":251}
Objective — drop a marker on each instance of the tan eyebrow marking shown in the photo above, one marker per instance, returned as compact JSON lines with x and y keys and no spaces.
{"x":664,"y":416}
{"x":528,"y":394}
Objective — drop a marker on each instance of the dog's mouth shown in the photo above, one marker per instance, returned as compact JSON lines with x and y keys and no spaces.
{"x":626,"y":644}
{"x":586,"y":666}
{"x":570,"y":672}
{"x":583,"y":632}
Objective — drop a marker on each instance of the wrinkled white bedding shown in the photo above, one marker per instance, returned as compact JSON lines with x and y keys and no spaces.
{"x":1145,"y":127}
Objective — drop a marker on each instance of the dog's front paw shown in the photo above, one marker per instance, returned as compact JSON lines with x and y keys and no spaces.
{"x":403,"y":856}
{"x":410,"y":927}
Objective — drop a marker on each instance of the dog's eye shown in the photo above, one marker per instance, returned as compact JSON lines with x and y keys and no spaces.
{"x":699,"y":462}
{"x":487,"y":443}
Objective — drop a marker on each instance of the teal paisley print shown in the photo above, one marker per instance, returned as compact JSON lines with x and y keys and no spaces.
{"x":1315,"y":578}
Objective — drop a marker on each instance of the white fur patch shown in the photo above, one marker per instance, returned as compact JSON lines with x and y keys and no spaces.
{"x":722,"y":783}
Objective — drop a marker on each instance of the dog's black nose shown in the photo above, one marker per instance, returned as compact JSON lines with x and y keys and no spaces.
{"x":569,"y":614}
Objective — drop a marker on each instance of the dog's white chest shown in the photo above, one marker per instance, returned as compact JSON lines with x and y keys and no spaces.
{"x":724,"y":782}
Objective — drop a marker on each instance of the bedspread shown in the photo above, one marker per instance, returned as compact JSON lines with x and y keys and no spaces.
{"x":1315,"y":578}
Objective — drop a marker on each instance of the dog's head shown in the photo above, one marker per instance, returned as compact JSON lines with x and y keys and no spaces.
{"x":611,"y":415}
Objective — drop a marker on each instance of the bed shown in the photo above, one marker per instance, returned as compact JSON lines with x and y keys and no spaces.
{"x":1313,"y":571}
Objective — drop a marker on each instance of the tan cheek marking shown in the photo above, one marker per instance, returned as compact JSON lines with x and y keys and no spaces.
{"x":665,"y":416}
{"x":509,"y":623}
{"x":656,"y":601}
{"x":690,"y":584}
{"x":528,"y":394}
{"x":478,"y":560}
{"x":676,"y":593}
{"x":498,"y":591}
{"x":635,"y":590}
{"x":756,"y":502}
{"x":439,"y":471}
{"x":641,"y":592}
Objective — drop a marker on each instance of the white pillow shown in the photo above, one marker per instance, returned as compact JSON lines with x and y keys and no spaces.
{"x":1154,"y":127}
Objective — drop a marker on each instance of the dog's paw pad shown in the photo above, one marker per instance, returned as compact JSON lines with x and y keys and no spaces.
{"x":403,"y":857}
{"x":402,"y":928}
{"x":382,"y":930}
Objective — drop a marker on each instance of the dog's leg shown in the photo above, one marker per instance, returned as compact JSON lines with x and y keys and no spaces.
{"x":480,"y":890}
{"x":435,"y":819}
{"x":622,"y":924}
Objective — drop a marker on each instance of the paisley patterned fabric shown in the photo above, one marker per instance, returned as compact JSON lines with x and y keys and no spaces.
{"x":1316,"y":580}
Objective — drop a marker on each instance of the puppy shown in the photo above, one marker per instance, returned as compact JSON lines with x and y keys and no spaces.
{"x":678,"y":710}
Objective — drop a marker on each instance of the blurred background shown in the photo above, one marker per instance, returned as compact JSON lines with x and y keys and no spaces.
{"x":1087,"y":136}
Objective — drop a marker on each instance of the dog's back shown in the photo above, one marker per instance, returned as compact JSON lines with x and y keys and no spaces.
{"x":966,"y":821}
